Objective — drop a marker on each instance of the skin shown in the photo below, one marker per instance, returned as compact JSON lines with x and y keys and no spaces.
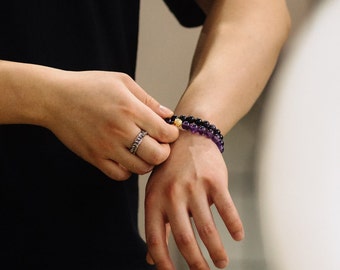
{"x":238,"y":48}
{"x":94,"y":113}
{"x":98,"y":114}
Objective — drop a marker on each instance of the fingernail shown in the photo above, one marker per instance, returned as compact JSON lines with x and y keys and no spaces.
{"x":221,"y":264}
{"x":239,"y":236}
{"x":165,"y":110}
{"x":149,"y":259}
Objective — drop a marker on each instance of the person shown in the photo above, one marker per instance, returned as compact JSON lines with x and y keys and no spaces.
{"x":76,"y":129}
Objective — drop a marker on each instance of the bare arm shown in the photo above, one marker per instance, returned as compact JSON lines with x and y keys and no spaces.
{"x":94,"y":113}
{"x":235,"y":56}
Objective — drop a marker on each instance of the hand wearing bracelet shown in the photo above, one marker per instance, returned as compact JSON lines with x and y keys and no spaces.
{"x":198,"y":126}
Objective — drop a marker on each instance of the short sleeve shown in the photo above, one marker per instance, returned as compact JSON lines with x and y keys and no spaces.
{"x":187,"y":12}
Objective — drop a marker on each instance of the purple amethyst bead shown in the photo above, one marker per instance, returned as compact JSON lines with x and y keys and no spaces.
{"x":186,"y":125}
{"x":209,"y":133}
{"x":216,"y":139}
{"x":193,"y":128}
{"x":202,"y":130}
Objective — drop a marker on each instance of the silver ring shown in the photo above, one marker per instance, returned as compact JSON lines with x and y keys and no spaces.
{"x":137,"y":141}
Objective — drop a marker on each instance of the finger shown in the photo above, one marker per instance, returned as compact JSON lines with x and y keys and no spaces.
{"x":228,"y":212}
{"x":207,"y":231}
{"x":185,"y":239}
{"x":114,"y":170}
{"x":156,"y":126}
{"x":167,"y":235}
{"x":145,"y":118}
{"x":132,"y":162}
{"x":167,"y":232}
{"x":148,"y":100}
{"x":148,"y":150}
{"x":155,"y":232}
{"x":153,"y":152}
{"x":149,"y":259}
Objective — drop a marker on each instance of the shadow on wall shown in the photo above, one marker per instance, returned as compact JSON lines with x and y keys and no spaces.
{"x":299,"y":161}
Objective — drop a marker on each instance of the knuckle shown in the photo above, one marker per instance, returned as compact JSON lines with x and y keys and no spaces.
{"x":172,"y":193}
{"x":138,"y":169}
{"x":118,"y":175}
{"x":159,"y":155}
{"x":124,"y":77}
{"x":207,"y":230}
{"x":153,"y":241}
{"x":185,"y":239}
{"x":150,"y":101}
{"x":227,"y":207}
{"x":216,"y":189}
{"x":191,"y":188}
{"x":143,"y":169}
{"x":113,"y":172}
{"x":168,"y":133}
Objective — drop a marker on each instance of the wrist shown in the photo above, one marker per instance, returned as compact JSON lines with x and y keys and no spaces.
{"x":193,"y":145}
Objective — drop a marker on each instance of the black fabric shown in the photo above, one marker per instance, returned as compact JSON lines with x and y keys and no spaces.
{"x":56,"y":210}
{"x":187,"y":12}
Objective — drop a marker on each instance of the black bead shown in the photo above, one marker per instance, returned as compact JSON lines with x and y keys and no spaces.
{"x":198,"y":122}
{"x":217,"y":132}
{"x":190,"y":119}
{"x":206,"y":124}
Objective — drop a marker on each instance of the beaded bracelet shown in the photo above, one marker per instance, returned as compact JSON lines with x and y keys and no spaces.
{"x":198,"y":126}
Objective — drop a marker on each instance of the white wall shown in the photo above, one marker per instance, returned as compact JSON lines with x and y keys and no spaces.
{"x":299,"y":157}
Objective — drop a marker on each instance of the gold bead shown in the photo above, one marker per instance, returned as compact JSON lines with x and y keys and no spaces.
{"x":178,"y":122}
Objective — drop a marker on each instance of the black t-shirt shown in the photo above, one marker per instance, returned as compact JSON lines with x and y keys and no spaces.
{"x":56,"y":210}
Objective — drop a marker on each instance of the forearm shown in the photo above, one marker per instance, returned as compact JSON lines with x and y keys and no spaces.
{"x":235,"y":56}
{"x":24,"y":92}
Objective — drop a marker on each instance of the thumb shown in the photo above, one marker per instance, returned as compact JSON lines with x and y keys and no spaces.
{"x":148,"y":100}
